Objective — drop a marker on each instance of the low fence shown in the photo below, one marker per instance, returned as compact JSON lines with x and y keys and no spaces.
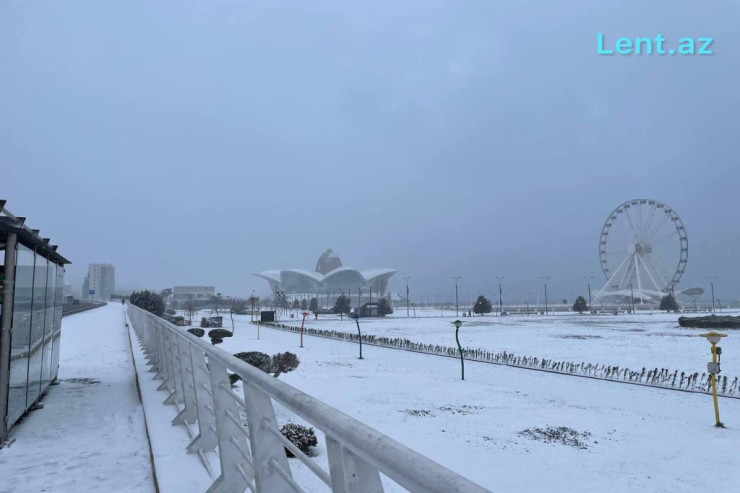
{"x":252,"y":454}
{"x":651,"y":377}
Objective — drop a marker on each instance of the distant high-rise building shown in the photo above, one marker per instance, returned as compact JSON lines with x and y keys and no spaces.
{"x":100,"y":282}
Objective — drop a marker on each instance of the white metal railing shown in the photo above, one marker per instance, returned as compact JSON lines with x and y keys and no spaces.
{"x":252,"y":455}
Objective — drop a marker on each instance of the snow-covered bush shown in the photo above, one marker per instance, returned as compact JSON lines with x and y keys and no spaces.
{"x":302,"y":437}
{"x":197,"y":332}
{"x":277,"y":364}
{"x":283,"y":363}
{"x":218,"y":335}
{"x":256,"y":359}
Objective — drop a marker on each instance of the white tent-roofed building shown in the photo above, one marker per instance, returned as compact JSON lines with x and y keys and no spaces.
{"x":329,"y":280}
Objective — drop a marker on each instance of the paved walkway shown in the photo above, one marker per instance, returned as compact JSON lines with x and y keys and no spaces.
{"x":90,"y":435}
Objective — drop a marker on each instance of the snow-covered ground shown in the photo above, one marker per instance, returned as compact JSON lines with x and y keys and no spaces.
{"x":90,"y":435}
{"x":637,"y":438}
{"x":633,"y":341}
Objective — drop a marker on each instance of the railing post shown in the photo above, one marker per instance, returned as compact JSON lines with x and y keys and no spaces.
{"x":349,"y":473}
{"x":162,"y":370}
{"x":233,"y":451}
{"x":190,"y":412}
{"x":168,"y":368}
{"x":206,"y":440}
{"x":268,"y":452}
{"x":173,"y":346}
{"x":143,"y":327}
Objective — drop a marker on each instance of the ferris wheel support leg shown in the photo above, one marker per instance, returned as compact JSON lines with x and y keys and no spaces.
{"x":609,"y":281}
{"x":639,"y":282}
{"x":652,"y":279}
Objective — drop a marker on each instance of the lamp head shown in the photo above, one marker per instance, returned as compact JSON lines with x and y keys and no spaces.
{"x":457,"y":323}
{"x":713,"y":337}
{"x":305,"y":314}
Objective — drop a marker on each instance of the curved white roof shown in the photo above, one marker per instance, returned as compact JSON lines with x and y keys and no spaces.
{"x":314,"y":280}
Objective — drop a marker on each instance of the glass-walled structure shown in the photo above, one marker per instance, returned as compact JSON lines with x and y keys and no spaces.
{"x":32,"y":277}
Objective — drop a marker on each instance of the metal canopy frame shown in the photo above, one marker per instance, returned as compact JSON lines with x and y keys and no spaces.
{"x":28,"y":237}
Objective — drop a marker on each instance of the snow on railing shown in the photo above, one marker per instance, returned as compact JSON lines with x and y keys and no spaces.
{"x":252,"y":454}
{"x":655,"y":377}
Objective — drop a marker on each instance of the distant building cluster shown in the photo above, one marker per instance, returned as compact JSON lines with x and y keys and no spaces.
{"x":182,"y":294}
{"x":99,"y":283}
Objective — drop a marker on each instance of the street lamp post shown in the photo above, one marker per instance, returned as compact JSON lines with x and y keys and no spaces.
{"x":632,"y":300}
{"x":252,"y":300}
{"x":359,"y":334}
{"x":500,"y":298}
{"x":588,"y":283}
{"x":713,"y":370}
{"x":457,"y":304}
{"x":457,"y":324}
{"x":544,"y":279}
{"x":305,"y":314}
{"x":711,"y":279}
{"x":407,"y":296}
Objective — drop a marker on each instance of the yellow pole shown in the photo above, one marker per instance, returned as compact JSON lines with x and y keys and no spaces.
{"x":714,"y":388}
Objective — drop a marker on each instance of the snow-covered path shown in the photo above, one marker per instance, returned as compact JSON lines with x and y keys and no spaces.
{"x":90,"y":435}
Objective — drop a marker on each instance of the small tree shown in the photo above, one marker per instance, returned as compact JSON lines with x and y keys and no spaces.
{"x":282,"y":301}
{"x":190,"y":309}
{"x":296,"y":305}
{"x":482,"y":305}
{"x":216,"y":303}
{"x":254,"y":302}
{"x":580,"y":305}
{"x":276,"y":365}
{"x":384,"y":307}
{"x":313,"y":306}
{"x":256,"y":359}
{"x":668,"y":303}
{"x":304,"y":304}
{"x":149,"y":301}
{"x":238,"y":306}
{"x":342,"y":305}
{"x":283,"y":363}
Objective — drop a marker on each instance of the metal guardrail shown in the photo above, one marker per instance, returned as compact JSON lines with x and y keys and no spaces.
{"x":69,"y":309}
{"x":252,"y":454}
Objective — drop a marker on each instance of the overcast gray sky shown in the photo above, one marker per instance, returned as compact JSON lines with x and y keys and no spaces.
{"x":199,"y":142}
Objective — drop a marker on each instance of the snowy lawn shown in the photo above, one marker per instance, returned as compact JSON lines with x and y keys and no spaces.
{"x":633,"y":341}
{"x":517,"y":430}
{"x":90,"y":434}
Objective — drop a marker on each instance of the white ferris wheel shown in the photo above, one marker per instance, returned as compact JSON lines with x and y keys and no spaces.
{"x":643,"y":250}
